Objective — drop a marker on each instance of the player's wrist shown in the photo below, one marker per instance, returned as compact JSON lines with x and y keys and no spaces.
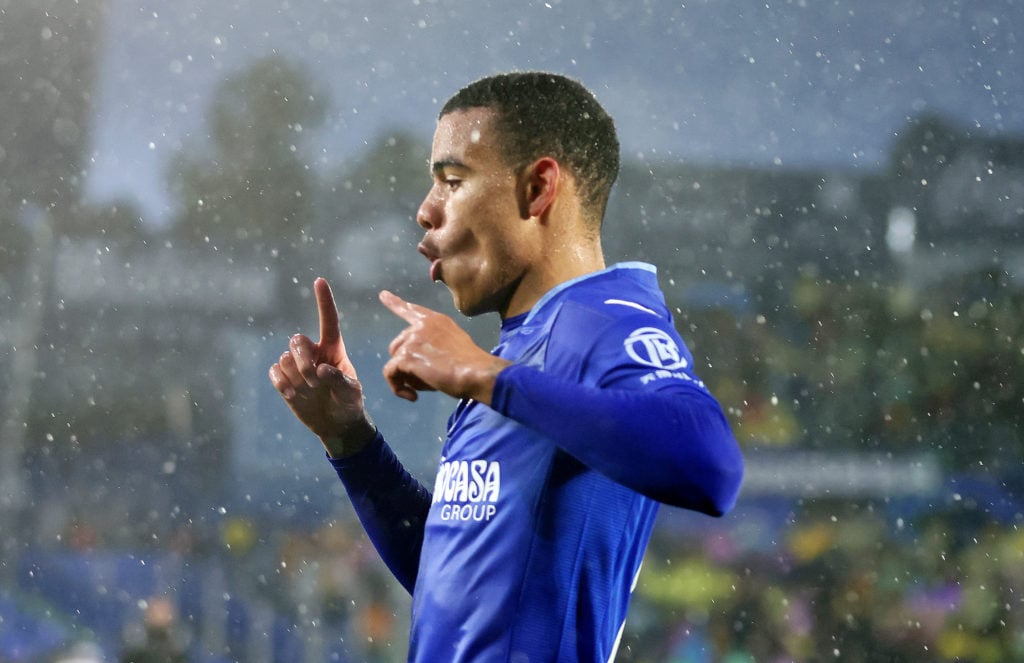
{"x":349,"y":441}
{"x":484,"y":379}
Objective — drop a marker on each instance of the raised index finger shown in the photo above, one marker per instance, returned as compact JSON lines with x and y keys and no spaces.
{"x":405,"y":310}
{"x":330,"y":329}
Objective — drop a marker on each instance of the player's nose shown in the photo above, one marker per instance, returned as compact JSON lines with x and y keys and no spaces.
{"x":429,"y":216}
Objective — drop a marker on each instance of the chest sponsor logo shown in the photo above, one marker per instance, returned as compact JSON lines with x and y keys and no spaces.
{"x":468,"y":489}
{"x":651,"y":346}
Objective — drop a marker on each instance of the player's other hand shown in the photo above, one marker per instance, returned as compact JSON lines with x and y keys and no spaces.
{"x":319,"y":383}
{"x":434,"y":353}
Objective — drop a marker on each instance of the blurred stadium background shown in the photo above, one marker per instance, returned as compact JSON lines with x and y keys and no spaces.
{"x":862,"y":326}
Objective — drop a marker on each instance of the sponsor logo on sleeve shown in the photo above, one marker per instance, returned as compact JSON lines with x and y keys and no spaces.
{"x":650,"y":346}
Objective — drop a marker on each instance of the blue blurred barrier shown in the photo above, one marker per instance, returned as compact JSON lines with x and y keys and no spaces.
{"x":101,"y":593}
{"x":27,"y":632}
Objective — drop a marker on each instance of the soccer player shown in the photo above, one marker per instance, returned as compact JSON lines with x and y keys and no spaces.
{"x":566,"y":436}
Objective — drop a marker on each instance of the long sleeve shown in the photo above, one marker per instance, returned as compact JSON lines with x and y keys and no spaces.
{"x":390,"y":503}
{"x":673,"y":445}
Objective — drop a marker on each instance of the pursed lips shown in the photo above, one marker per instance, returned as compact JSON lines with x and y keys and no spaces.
{"x":434,"y":257}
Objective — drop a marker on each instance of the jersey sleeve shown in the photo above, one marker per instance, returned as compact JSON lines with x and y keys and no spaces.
{"x":390,"y":503}
{"x":636,"y":411}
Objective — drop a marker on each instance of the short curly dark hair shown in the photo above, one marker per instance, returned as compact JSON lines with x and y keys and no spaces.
{"x":544,"y":114}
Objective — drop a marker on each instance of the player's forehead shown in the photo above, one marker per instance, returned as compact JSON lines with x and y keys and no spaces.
{"x":468,"y":136}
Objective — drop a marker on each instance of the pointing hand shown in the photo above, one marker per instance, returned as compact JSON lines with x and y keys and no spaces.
{"x":434,"y":353}
{"x":319,"y":383}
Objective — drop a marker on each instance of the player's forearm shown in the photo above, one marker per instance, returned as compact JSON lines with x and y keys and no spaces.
{"x":675,"y":447}
{"x":390,"y":503}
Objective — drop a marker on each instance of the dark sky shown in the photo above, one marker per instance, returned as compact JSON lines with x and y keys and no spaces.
{"x":779,"y":84}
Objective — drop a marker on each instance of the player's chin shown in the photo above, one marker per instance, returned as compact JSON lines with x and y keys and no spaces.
{"x":466,"y":304}
{"x":478,"y":305}
{"x":463,"y":307}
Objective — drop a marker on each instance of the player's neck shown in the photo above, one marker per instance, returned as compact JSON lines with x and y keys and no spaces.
{"x":560,"y":262}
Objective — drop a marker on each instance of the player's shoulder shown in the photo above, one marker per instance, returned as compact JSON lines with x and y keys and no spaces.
{"x":594,"y":317}
{"x":616,"y":298}
{"x":616,"y":336}
{"x":603,"y":311}
{"x":623,"y":296}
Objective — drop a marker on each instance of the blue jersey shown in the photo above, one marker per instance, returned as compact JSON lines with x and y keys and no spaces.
{"x":531,"y":540}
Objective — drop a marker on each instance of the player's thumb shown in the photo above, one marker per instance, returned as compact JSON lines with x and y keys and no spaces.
{"x":332,"y":377}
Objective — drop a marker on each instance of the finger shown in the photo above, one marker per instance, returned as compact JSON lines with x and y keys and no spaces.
{"x":400,"y":389}
{"x":291,"y":371}
{"x":398,"y":381}
{"x":330,"y":328}
{"x":410,"y":381}
{"x":405,"y":310}
{"x":406,"y":392}
{"x":304,"y":354}
{"x":419,"y":385}
{"x":331,"y":347}
{"x":281,"y":383}
{"x":398,"y":342}
{"x":330,"y":376}
{"x":335,"y":379}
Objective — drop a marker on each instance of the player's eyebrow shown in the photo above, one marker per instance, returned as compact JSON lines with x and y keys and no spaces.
{"x":448,"y":162}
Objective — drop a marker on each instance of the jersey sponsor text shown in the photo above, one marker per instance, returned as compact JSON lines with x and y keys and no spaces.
{"x":468,"y":489}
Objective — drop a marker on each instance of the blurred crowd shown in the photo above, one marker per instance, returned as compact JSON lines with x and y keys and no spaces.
{"x":861,"y":365}
{"x":858,"y":586}
{"x":860,"y":581}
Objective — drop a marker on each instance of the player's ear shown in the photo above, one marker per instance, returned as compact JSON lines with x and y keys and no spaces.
{"x":538,"y":184}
